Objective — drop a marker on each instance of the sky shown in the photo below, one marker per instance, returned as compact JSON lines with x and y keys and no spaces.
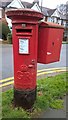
{"x":49,"y":3}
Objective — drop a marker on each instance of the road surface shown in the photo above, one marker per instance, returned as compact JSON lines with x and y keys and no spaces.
{"x":6,"y":61}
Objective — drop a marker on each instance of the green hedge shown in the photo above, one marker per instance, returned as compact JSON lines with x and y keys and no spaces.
{"x":5,"y":29}
{"x":9,"y":38}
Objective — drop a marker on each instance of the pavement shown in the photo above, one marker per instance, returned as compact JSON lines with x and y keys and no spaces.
{"x":7,"y":83}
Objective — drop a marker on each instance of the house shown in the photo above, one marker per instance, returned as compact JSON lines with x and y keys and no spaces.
{"x":49,"y":17}
{"x":60,"y":16}
{"x":15,"y":4}
{"x":57,"y":15}
{"x":35,"y":6}
{"x":53,"y":15}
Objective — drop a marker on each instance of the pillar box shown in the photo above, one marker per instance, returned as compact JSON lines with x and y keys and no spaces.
{"x":25,"y":42}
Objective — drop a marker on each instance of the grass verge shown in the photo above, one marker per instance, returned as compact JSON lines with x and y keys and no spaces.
{"x":64,"y":42}
{"x":50,"y":92}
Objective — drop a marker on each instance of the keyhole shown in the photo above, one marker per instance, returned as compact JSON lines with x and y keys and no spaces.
{"x":53,"y":43}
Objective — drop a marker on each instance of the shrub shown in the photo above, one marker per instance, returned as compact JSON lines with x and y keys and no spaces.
{"x":9,"y":38}
{"x":4,"y":28}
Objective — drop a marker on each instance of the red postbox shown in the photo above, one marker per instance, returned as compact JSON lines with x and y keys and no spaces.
{"x":49,"y":42}
{"x":25,"y":42}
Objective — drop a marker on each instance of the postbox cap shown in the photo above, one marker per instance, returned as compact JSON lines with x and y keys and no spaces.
{"x":50,"y":25}
{"x":23,"y":13}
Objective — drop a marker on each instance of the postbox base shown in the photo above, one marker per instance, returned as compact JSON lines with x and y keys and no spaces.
{"x":24,"y":98}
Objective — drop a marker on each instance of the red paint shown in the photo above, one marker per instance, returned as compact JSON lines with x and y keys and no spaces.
{"x":49,"y":42}
{"x":25,"y":26}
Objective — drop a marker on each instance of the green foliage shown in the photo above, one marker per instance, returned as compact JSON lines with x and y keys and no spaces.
{"x":57,"y":104}
{"x":53,"y":89}
{"x":5,"y":29}
{"x":0,"y":104}
{"x":41,"y":102}
{"x":67,"y":83}
{"x":8,"y":110}
{"x":9,"y":38}
{"x":50,"y":92}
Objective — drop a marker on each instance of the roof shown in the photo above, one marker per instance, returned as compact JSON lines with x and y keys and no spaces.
{"x":62,"y":16}
{"x":26,"y":4}
{"x":51,"y":11}
{"x":4,"y":3}
{"x":5,"y":0}
{"x":45,"y":11}
{"x":50,"y":24}
{"x":16,"y":4}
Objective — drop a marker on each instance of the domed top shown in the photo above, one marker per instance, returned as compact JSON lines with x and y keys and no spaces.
{"x":24,"y":13}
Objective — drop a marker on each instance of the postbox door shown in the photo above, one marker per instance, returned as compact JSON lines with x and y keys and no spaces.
{"x":54,"y":45}
{"x":25,"y":56}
